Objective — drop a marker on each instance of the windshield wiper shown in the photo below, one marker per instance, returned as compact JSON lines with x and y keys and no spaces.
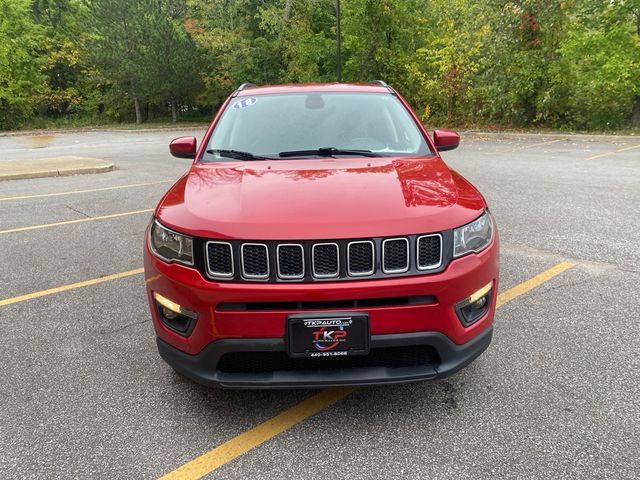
{"x":328,"y":152}
{"x":236,"y":154}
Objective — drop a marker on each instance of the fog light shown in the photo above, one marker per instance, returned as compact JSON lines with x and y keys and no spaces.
{"x":479,"y":303}
{"x":174,"y":316}
{"x":173,"y":307}
{"x":480,"y":294}
{"x":474,"y":307}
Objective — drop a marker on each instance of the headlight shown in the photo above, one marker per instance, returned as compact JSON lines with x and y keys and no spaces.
{"x":474,"y":236}
{"x":169,"y":245}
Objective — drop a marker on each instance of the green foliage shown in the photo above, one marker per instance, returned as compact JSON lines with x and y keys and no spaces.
{"x":67,"y":90}
{"x":381,"y":40}
{"x":20,"y":62}
{"x":513,"y":63}
{"x":142,"y":52}
{"x":600,"y":91}
{"x":171,"y":61}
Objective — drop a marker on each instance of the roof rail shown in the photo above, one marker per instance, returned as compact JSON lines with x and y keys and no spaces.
{"x":241,"y":88}
{"x":382,"y":83}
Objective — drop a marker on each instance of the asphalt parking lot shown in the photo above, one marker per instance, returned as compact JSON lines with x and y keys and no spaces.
{"x":85,"y":394}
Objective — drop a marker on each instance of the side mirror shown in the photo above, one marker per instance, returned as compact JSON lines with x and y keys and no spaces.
{"x":446,"y":139}
{"x":183,"y":147}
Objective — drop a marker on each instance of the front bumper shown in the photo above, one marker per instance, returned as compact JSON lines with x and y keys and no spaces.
{"x":188,"y":288}
{"x":203,"y":367}
{"x":260,"y":332}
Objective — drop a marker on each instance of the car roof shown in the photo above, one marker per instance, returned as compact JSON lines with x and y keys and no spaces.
{"x":313,"y":87}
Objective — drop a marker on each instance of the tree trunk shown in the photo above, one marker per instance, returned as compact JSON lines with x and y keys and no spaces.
{"x":174,"y":111}
{"x":287,"y":10}
{"x":635,"y":117}
{"x":136,"y":105}
{"x":136,"y":102}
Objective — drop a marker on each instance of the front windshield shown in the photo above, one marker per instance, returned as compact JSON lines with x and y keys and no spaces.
{"x":268,"y":125}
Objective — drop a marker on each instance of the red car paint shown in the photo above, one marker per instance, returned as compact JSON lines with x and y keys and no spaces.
{"x":267,"y":200}
{"x":325,"y":198}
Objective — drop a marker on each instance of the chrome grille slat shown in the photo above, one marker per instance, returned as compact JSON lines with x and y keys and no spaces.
{"x":325,"y":258}
{"x":255,"y":261}
{"x":361,"y":258}
{"x":395,"y":255}
{"x":219,"y":259}
{"x":290,"y":258}
{"x":429,"y":251}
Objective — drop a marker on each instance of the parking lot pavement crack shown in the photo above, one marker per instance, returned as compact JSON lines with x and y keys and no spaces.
{"x":531,"y":252}
{"x":124,"y":327}
{"x":77,"y":211}
{"x":540,"y":292}
{"x":630,"y":270}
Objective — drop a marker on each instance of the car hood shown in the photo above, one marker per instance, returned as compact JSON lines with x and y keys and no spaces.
{"x":301,"y":199}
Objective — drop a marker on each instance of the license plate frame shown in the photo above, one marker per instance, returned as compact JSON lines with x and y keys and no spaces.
{"x":308,"y":334}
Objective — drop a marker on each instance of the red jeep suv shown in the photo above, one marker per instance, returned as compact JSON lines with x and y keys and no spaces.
{"x":318,"y":239}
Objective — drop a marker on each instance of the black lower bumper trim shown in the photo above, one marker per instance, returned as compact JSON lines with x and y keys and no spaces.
{"x":203,"y":367}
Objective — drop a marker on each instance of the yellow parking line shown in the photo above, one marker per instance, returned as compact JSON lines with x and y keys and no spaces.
{"x":79,"y":220}
{"x":250,"y":439}
{"x":241,"y":444}
{"x":536,"y":145}
{"x":57,"y":194}
{"x":532,"y":283}
{"x":72,"y":286}
{"x":606,"y":154}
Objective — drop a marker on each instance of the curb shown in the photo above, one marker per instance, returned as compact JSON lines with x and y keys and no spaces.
{"x":595,"y":137}
{"x":109,"y":129}
{"x":32,"y":171}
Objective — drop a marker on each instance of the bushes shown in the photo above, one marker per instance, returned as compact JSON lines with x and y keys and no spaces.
{"x":598,"y":91}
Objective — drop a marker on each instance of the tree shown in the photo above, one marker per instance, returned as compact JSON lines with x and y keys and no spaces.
{"x":236,"y":48}
{"x":595,"y":82}
{"x":68,"y":88}
{"x":142,"y":47}
{"x":302,"y":33}
{"x":20,"y":62}
{"x":515,"y":63}
{"x":117,"y":46}
{"x":172,"y":56}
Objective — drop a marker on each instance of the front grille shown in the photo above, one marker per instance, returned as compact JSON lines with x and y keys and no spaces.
{"x":290,"y":261}
{"x":323,"y":260}
{"x":220,"y":259}
{"x":389,"y":357}
{"x":255,"y":261}
{"x":360,"y":258}
{"x":429,"y":251}
{"x":326,"y":260}
{"x":395,"y":255}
